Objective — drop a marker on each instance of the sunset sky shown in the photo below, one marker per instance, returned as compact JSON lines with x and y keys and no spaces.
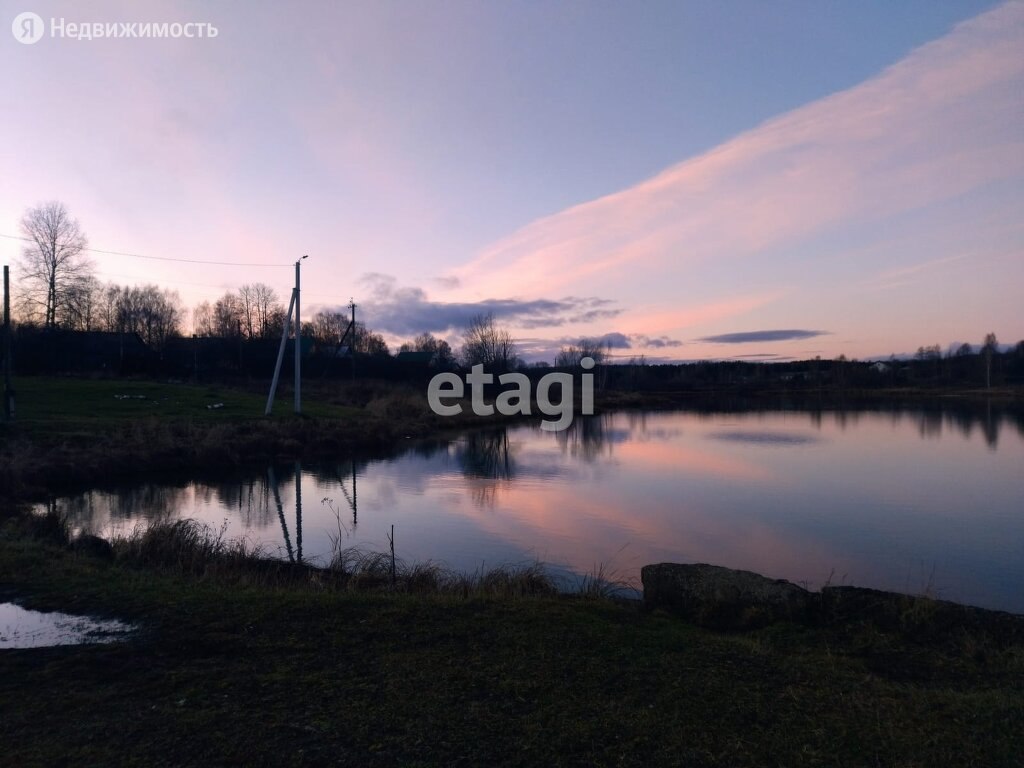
{"x":692,"y":180}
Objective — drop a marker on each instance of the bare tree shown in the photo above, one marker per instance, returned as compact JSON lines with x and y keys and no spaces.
{"x":84,"y":308}
{"x":53,"y":265}
{"x":988,"y":348}
{"x":484,"y":342}
{"x":439,"y":349}
{"x":227,"y":316}
{"x":247,"y":310}
{"x":154,"y":314}
{"x":571,"y":355}
{"x":328,"y":326}
{"x":202,"y":319}
{"x":252,"y":312}
{"x":267,"y":307}
{"x":109,"y":298}
{"x":370,"y":343}
{"x":276,"y":317}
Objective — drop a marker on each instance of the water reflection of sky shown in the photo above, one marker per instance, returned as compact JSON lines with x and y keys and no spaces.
{"x":895,"y":500}
{"x":24,"y":628}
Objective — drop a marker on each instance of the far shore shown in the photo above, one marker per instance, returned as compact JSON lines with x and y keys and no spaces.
{"x":70,"y":434}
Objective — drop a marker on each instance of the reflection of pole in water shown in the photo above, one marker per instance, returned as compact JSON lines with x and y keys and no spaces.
{"x":280,"y":513}
{"x":298,"y":510}
{"x":353,"y":499}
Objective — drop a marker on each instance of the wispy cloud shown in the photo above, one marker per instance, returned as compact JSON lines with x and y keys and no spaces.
{"x":935,"y":127}
{"x":906,"y":275}
{"x":746,"y":337}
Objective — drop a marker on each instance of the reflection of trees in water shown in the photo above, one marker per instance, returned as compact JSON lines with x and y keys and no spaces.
{"x":637,"y":421}
{"x":487,"y":460}
{"x":847,"y":417}
{"x":962,"y":422}
{"x":990,"y":427}
{"x":484,"y":493}
{"x":587,"y":438}
{"x":94,"y":510}
{"x":250,"y":499}
{"x":486,"y":454}
{"x":931,"y":418}
{"x":929,"y":424}
{"x":152,"y":502}
{"x":89,"y":511}
{"x":427,"y":449}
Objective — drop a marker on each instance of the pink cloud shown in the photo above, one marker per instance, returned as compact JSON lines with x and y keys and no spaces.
{"x":941,"y":123}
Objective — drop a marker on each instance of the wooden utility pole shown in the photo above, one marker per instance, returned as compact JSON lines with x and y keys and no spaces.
{"x":8,"y":392}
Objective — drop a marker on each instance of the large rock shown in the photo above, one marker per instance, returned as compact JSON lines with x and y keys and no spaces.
{"x":721,"y":597}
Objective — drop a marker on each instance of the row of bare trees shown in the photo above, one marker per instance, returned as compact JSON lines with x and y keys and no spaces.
{"x":957,"y":361}
{"x":327,"y":328}
{"x":59,"y":289}
{"x":252,"y":312}
{"x":488,"y":343}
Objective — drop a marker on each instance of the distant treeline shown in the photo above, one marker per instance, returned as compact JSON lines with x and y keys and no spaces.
{"x":964,"y":369}
{"x":36,"y":350}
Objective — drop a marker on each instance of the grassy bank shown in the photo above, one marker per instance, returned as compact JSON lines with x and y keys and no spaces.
{"x":69,"y":433}
{"x":239,"y":661}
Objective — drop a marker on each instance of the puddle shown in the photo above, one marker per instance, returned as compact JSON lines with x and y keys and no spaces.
{"x":23,"y":628}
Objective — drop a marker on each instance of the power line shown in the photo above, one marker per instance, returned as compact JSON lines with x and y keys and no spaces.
{"x":165,"y":258}
{"x":143,"y":278}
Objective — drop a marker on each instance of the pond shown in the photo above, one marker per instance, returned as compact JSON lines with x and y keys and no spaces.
{"x":917,"y":501}
{"x":25,"y":628}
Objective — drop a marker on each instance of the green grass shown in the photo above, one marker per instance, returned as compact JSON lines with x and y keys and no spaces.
{"x":72,"y":433}
{"x":235,"y":666}
{"x":49,"y":403}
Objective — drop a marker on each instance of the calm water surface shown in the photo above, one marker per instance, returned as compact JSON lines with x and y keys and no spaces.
{"x":901,"y":500}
